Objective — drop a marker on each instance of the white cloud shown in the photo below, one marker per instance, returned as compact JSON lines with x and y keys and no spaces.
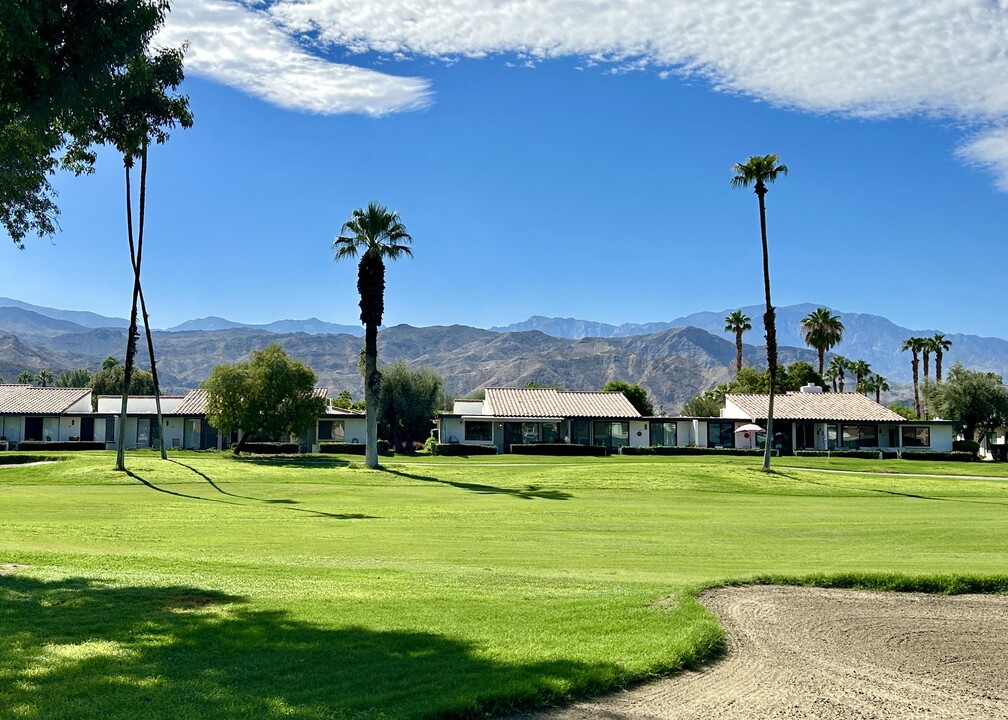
{"x":244,"y":49}
{"x":989,"y":150}
{"x":945,"y":58}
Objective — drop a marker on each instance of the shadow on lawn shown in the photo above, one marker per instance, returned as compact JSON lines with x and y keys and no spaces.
{"x":266,"y":501}
{"x":894,"y":493}
{"x":529,"y":492}
{"x":299,"y":461}
{"x":78,"y":648}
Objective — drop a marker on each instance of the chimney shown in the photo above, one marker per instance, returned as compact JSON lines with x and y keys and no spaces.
{"x":811,"y":389}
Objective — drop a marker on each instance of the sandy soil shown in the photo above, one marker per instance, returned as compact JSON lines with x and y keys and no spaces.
{"x":834,"y":654}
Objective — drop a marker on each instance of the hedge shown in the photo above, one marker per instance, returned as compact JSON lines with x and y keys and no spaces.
{"x":67,"y":445}
{"x":692,"y":450}
{"x":345,"y":448}
{"x":271,"y":448}
{"x":459,"y":450}
{"x":863,"y":454}
{"x":999,"y":452}
{"x":6,"y":459}
{"x":970,"y":446}
{"x":953,"y":456}
{"x":559,"y":449}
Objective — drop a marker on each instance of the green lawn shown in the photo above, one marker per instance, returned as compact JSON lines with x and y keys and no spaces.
{"x":209,"y":587}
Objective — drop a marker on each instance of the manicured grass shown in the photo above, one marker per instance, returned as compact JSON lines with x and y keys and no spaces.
{"x":208,"y":587}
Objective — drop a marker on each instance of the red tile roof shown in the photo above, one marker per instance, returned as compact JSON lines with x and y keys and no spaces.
{"x":549,"y":402}
{"x":30,"y":400}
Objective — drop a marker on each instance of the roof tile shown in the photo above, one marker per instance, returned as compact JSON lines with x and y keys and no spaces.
{"x":31,"y":400}
{"x":549,"y":402}
{"x":815,"y":406}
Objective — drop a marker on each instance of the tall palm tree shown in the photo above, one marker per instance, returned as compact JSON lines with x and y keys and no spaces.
{"x":759,"y":171}
{"x":941,"y":344}
{"x":927,"y":347}
{"x":861,"y":370}
{"x":374,"y":234}
{"x":24,"y":378}
{"x":144,"y":110}
{"x":838,"y":365}
{"x":880,"y":385}
{"x":44,"y":378}
{"x":738,"y":322}
{"x":913,"y":345}
{"x":823,"y":330}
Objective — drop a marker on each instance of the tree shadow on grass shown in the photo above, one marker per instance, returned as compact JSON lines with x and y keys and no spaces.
{"x":79,"y":648}
{"x":894,"y":493}
{"x":529,"y":492}
{"x":265,"y":501}
{"x":293,"y":461}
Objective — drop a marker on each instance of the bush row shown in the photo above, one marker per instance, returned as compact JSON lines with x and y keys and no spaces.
{"x":270,"y":448}
{"x":560,"y":449}
{"x":691,"y":450}
{"x":6,"y":459}
{"x":953,"y":456}
{"x":970,"y":446}
{"x":75,"y":445}
{"x":345,"y":448}
{"x":459,"y":450}
{"x":863,"y":454}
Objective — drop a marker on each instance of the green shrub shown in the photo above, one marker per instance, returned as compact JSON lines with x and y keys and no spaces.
{"x":970,"y":446}
{"x":75,"y":445}
{"x":953,"y":456}
{"x":460,"y":450}
{"x":271,"y":448}
{"x":345,"y":448}
{"x":999,"y":452}
{"x":6,"y":459}
{"x":863,"y":454}
{"x":569,"y":450}
{"x":692,"y":450}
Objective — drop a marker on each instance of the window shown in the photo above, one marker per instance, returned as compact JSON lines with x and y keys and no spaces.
{"x":143,"y":436}
{"x":478,"y":431}
{"x":663,"y":433}
{"x":720,"y":434}
{"x":612,"y":434}
{"x":916,"y":437}
{"x":331,"y":430}
{"x":580,"y":432}
{"x":50,"y":428}
{"x":550,"y":432}
{"x":860,"y":436}
{"x":530,"y":432}
{"x":33,"y":428}
{"x":832,"y":433}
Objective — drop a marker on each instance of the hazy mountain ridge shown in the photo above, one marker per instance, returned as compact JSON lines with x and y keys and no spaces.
{"x":673,"y":364}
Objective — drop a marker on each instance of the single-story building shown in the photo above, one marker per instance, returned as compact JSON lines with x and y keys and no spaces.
{"x":142,"y":430}
{"x":516,"y":416}
{"x":813,"y":420}
{"x":47,"y":414}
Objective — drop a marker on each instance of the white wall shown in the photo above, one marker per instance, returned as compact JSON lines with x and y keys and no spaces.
{"x":355,"y":429}
{"x":941,"y":438}
{"x":639,"y":436}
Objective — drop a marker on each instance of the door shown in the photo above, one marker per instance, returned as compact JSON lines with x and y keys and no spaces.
{"x":87,"y":429}
{"x":33,"y":428}
{"x":512,"y":435}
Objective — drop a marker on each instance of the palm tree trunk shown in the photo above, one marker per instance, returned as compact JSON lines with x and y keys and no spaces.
{"x":143,"y":303}
{"x":915,"y":367}
{"x":938,"y":364}
{"x":822,"y":360}
{"x":132,"y":332}
{"x":738,"y":353}
{"x":372,"y":386}
{"x":770,"y":325}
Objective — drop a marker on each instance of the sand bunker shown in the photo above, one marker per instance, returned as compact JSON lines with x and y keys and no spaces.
{"x":814,"y":653}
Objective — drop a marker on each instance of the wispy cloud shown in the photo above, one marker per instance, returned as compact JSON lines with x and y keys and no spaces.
{"x":989,"y":149}
{"x":865,"y":58}
{"x":243,"y":48}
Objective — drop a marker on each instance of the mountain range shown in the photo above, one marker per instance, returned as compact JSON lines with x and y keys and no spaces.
{"x":673,"y":360}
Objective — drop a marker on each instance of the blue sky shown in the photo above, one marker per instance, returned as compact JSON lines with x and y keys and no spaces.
{"x":561,"y":159}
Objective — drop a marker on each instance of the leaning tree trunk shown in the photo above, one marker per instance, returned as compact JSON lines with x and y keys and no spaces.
{"x":143,"y":303}
{"x":132,"y":332}
{"x":371,"y":286}
{"x":770,"y":325}
{"x":914,"y":366}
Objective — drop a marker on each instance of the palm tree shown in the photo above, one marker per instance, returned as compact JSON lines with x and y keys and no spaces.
{"x":823,"y":330}
{"x":913,"y":345}
{"x":941,"y":344}
{"x":879,"y":385}
{"x":758,"y":171}
{"x":145,"y":110}
{"x":374,"y":234}
{"x":44,"y":378}
{"x":927,"y":346}
{"x":24,"y":378}
{"x":861,"y":370}
{"x":738,"y":322}
{"x":838,"y":365}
